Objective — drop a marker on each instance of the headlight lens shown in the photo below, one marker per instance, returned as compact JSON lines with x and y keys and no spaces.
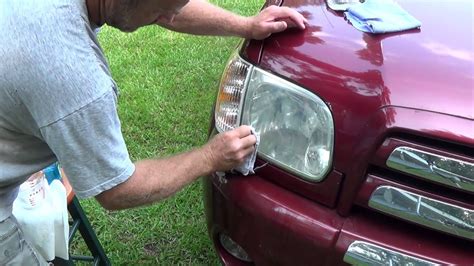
{"x":295,"y":126}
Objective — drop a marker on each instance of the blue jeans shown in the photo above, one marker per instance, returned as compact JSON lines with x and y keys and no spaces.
{"x":14,"y":249}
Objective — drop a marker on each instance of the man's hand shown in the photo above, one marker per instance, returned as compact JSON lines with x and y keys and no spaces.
{"x":275,"y":19}
{"x":229,"y":149}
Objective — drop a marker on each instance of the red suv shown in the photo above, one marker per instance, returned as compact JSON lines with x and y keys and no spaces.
{"x":367,"y":143}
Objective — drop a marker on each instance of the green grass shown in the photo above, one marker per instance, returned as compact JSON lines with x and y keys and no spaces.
{"x":168,"y":84}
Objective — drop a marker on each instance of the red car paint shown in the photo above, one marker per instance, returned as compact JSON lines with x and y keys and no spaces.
{"x":413,"y":88}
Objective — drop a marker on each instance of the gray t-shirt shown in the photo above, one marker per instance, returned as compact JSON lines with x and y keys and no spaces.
{"x":57,"y":100}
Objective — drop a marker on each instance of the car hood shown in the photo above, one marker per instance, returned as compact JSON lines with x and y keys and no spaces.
{"x":429,"y":69}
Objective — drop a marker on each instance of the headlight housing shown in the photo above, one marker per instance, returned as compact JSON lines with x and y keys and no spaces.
{"x":295,"y":126}
{"x":231,"y":94}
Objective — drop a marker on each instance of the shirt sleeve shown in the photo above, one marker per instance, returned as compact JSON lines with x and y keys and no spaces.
{"x":90,"y":147}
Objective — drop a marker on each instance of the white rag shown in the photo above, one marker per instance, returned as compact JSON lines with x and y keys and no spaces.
{"x":249,"y":163}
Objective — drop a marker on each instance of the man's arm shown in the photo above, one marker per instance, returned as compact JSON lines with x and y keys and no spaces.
{"x":156,"y":179}
{"x":203,"y":18}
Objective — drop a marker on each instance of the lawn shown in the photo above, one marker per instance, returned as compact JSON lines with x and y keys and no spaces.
{"x":167,"y":86}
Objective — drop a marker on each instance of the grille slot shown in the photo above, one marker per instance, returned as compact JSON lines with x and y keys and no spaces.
{"x":464,"y":150}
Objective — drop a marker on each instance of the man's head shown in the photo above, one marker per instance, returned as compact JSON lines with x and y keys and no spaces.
{"x":129,"y":15}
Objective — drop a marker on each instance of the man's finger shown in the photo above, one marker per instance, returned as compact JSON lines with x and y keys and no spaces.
{"x":278,"y":26}
{"x":298,"y":19}
{"x":290,"y":14}
{"x":248,"y":151}
{"x":290,"y":23}
{"x":243,"y":131}
{"x":248,"y":141}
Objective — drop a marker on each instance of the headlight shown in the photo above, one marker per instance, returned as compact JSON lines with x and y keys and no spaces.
{"x":295,"y":126}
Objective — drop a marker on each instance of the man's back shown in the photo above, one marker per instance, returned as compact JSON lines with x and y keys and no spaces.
{"x":52,"y":73}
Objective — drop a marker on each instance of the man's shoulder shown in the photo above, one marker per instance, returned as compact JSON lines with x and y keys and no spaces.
{"x":56,"y":60}
{"x":34,"y":8}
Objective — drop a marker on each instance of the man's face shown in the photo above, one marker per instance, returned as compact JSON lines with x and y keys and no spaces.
{"x":168,"y":9}
{"x":147,"y":12}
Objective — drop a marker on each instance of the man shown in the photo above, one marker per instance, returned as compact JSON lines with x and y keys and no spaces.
{"x":58,"y":102}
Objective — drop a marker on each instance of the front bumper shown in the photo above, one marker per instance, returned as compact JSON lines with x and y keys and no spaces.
{"x":273,"y":225}
{"x":277,"y":227}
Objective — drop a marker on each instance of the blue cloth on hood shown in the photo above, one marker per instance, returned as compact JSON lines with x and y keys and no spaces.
{"x":380,"y":16}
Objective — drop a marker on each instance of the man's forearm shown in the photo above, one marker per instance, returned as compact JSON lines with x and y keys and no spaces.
{"x":203,"y":18}
{"x":156,"y":179}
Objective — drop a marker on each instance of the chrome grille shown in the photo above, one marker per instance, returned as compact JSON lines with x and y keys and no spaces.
{"x":422,"y":210}
{"x":434,"y":167}
{"x":364,"y":253}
